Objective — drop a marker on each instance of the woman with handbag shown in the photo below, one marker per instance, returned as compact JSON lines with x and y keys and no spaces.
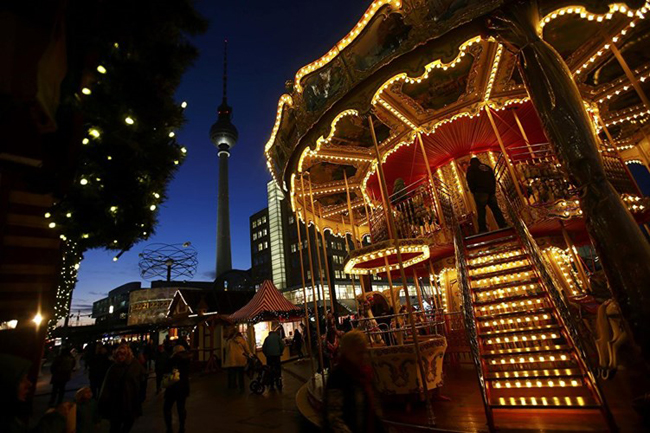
{"x":236,"y":357}
{"x":177,"y":387}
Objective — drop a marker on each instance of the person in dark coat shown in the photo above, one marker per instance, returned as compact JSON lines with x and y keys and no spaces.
{"x":179,"y":391}
{"x":97,"y":368}
{"x":350,"y":403}
{"x":119,"y":400}
{"x":61,"y":370}
{"x":482,"y":184}
{"x":297,"y":342}
{"x":161,"y":362}
{"x":273,"y":347}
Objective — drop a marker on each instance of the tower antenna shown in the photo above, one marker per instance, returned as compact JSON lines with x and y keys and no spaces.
{"x":225,"y":70}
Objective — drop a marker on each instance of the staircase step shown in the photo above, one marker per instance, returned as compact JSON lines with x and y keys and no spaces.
{"x":533,"y":338}
{"x":535,"y":374}
{"x":525,"y":350}
{"x":529,"y":383}
{"x":479,"y":255}
{"x":517,"y":322}
{"x":499,"y":272}
{"x":498,"y":261}
{"x":511,"y":307}
{"x":523,"y":273}
{"x":556,"y":402}
{"x":505,"y":285}
{"x":512,"y":298}
{"x":520,"y":330}
{"x":490,"y":242}
{"x":525,"y":312}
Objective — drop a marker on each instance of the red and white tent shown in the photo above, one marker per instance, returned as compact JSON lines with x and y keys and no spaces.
{"x":267,"y":304}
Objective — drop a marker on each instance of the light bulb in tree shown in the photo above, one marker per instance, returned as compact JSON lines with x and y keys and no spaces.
{"x":109,"y":157}
{"x":128,"y":120}
{"x":184,"y":104}
{"x":101,"y":69}
{"x":176,"y":162}
{"x":83,"y":181}
{"x":113,"y":208}
{"x":85,"y":236}
{"x":47,"y":214}
{"x":52,"y":225}
{"x":86,"y":91}
{"x":68,"y":215}
{"x":155,"y":194}
{"x":93,"y":132}
{"x":38,"y":319}
{"x":115,"y":259}
{"x":152,"y":207}
{"x":76,"y":267}
{"x":183,"y":150}
{"x":85,"y":141}
{"x":172,"y":134}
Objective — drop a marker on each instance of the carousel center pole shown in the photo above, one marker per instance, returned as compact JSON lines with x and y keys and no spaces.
{"x":304,"y":294}
{"x":620,"y":244}
{"x":313,"y":284}
{"x":409,"y":310}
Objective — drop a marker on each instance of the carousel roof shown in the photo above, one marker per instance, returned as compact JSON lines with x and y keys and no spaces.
{"x":431,"y":68}
{"x":268,"y":301}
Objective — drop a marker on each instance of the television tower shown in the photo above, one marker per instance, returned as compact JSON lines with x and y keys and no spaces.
{"x":224,"y":136}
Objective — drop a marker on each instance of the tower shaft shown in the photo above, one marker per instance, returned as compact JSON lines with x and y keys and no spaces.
{"x":224,"y":259}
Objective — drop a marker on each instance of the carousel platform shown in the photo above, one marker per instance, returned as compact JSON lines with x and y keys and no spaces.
{"x":463,"y":412}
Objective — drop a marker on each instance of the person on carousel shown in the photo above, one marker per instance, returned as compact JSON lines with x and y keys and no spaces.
{"x":482,"y":184}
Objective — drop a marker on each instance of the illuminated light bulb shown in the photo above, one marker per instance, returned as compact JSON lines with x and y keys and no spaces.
{"x":38,"y":319}
{"x":47,"y":215}
{"x":68,"y":215}
{"x":183,"y":150}
{"x":152,"y":207}
{"x":85,"y":141}
{"x":171,"y":134}
{"x":86,"y":91}
{"x":83,"y":181}
{"x":101,"y":69}
{"x":52,"y":225}
{"x":128,"y":120}
{"x":176,"y":162}
{"x":184,"y":104}
{"x":85,"y":236}
{"x":115,"y":259}
{"x":93,"y":132}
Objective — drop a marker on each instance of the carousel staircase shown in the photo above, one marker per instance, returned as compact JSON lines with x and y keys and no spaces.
{"x":527,"y":357}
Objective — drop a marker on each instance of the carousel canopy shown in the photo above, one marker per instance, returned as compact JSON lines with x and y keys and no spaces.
{"x":268,"y":303}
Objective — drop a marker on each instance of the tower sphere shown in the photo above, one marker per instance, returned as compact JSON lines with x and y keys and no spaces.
{"x":223,"y":133}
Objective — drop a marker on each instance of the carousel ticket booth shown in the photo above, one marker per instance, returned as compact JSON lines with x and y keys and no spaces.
{"x":268,"y":310}
{"x":375,"y":139}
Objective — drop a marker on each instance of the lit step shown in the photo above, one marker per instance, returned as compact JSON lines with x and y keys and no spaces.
{"x":499,"y":269}
{"x":523,"y":359}
{"x":527,"y":338}
{"x":501,"y":249}
{"x":509,"y":324}
{"x":490,"y":242}
{"x":564,"y":382}
{"x":531,"y":310}
{"x":521,"y":274}
{"x":490,"y":259}
{"x":520,"y":330}
{"x":534,"y":374}
{"x":510,"y":307}
{"x":557,"y":402}
{"x":525,"y":350}
{"x":515,"y":297}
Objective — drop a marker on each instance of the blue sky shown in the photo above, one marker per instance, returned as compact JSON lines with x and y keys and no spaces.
{"x":267,"y":43}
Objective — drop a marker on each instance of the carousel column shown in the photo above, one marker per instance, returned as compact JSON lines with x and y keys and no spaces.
{"x":431,"y":182}
{"x":327,"y":263}
{"x":621,"y":246}
{"x":321,"y":364}
{"x":354,"y":230}
{"x":398,"y":253}
{"x":304,"y":293}
{"x":354,"y":289}
{"x":320,"y":267}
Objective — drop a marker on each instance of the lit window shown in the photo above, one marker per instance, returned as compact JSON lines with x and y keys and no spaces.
{"x":255,"y":236}
{"x":260,"y":246}
{"x":293,"y":248}
{"x":265,"y":232}
{"x":266,"y":244}
{"x":291,"y":219}
{"x":263,"y":219}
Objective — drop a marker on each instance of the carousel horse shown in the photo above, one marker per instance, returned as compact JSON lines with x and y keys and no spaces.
{"x":611,"y":336}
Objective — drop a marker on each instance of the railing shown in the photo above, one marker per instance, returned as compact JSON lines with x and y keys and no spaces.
{"x":414,"y":211}
{"x":393,"y":329}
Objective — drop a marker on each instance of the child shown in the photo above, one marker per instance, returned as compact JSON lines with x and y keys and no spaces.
{"x":87,"y":413}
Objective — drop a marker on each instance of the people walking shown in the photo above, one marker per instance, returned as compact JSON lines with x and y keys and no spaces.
{"x":179,"y":388}
{"x":272,"y":348}
{"x":482,"y":184}
{"x":120,"y":398}
{"x":61,"y":370}
{"x":350,"y":404}
{"x":236,"y":357}
{"x":87,"y":413}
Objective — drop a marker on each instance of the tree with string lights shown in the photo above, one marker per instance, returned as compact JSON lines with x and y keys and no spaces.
{"x":119,"y":117}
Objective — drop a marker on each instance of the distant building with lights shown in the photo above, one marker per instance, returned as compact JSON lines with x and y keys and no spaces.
{"x":275,"y":253}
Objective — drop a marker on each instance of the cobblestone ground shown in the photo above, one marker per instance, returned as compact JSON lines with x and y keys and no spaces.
{"x":211,"y":407}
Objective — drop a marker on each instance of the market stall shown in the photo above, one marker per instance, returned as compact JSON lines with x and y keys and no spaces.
{"x":267,"y":311}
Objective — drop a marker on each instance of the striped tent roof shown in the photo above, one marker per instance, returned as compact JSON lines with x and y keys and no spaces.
{"x":268,"y":302}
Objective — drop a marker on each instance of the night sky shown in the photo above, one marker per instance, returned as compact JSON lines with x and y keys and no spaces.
{"x":267,"y":43}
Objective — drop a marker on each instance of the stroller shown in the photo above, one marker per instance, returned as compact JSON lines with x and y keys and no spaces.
{"x":263,"y":375}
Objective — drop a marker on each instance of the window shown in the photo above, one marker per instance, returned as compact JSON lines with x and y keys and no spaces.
{"x":260,"y":246}
{"x":266,"y":244}
{"x":291,"y":220}
{"x":338,"y":274}
{"x":255,"y":236}
{"x":293,"y":248}
{"x":255,"y":224}
{"x":265,"y":232}
{"x":264,"y":219}
{"x":337,"y":259}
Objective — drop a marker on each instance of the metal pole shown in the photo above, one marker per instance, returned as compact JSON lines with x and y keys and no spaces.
{"x":304,"y":293}
{"x":313,"y":286}
{"x":327,"y":265}
{"x":431,"y":182}
{"x":523,"y":133}
{"x":320,"y":269}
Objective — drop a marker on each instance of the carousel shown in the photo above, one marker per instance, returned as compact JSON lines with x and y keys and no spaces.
{"x":373,"y":140}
